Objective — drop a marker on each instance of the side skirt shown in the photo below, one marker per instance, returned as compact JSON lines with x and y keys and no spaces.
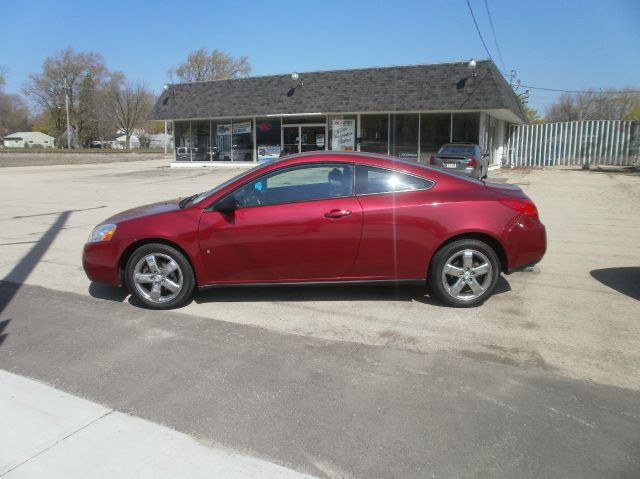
{"x":414,"y":282}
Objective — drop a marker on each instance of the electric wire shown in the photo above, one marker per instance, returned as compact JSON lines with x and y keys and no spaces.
{"x":493,"y":31}
{"x":479,"y":32}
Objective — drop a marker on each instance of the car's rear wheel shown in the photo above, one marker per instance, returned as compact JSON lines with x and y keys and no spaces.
{"x":464,"y":273}
{"x":159,"y":276}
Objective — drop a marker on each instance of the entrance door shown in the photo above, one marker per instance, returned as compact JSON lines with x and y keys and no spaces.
{"x":290,"y":140}
{"x":312,"y":138}
{"x":299,"y":138}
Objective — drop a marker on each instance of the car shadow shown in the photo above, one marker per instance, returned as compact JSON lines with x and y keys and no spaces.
{"x":108,"y":292}
{"x":346,"y":292}
{"x":624,"y":280}
{"x":301,"y":292}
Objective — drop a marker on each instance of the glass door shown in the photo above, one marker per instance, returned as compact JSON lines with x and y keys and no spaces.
{"x":290,"y":140}
{"x":312,"y":138}
{"x":299,"y":138}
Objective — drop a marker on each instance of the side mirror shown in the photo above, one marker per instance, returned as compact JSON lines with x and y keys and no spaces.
{"x":226,"y":205}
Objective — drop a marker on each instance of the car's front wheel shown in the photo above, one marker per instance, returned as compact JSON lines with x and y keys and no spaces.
{"x":159,"y":276}
{"x":464,"y":273}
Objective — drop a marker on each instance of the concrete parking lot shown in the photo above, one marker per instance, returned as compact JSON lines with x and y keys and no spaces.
{"x":576,"y":314}
{"x":574,"y":318}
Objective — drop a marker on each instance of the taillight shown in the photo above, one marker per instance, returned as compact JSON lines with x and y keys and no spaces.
{"x":526,"y":207}
{"x":432,"y":160}
{"x":472,"y":162}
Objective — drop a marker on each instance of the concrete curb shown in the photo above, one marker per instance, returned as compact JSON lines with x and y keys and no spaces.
{"x":45,"y":432}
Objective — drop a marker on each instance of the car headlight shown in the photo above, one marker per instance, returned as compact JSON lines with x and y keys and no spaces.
{"x":102,"y":233}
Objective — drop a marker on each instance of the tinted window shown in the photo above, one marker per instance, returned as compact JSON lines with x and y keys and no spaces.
{"x":292,"y":185}
{"x":371,"y":180}
{"x":457,"y":150}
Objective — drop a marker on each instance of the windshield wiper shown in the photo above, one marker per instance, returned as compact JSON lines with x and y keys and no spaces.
{"x":185,"y":201}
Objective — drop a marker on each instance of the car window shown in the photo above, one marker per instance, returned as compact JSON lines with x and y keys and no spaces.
{"x":301,"y":183}
{"x":457,"y":150}
{"x":371,"y":180}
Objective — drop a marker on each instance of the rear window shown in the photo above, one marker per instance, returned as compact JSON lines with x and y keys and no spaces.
{"x":371,"y":180}
{"x":457,"y":150}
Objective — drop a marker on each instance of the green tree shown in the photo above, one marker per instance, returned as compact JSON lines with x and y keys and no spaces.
{"x":202,"y":65}
{"x":532,"y":114}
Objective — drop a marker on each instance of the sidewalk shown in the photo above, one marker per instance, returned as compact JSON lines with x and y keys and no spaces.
{"x":45,"y":432}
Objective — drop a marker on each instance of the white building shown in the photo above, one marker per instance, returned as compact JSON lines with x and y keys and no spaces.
{"x":21,"y":139}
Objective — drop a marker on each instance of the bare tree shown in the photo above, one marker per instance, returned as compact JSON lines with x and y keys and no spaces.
{"x":47,"y":88}
{"x":14,"y":114}
{"x":593,"y":105}
{"x":217,"y":65}
{"x":131,"y":104}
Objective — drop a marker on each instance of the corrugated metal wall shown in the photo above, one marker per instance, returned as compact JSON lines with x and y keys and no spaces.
{"x":594,"y":142}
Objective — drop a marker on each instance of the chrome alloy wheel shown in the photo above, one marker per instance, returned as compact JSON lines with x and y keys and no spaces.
{"x":158,"y":278}
{"x":467,"y":274}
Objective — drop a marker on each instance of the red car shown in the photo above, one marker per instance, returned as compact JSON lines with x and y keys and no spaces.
{"x":323,"y":218}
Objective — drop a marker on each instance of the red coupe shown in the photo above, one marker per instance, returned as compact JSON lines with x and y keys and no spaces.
{"x":323,"y":218}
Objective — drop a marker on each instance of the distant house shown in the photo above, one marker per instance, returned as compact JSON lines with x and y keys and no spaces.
{"x":21,"y":139}
{"x":158,"y":140}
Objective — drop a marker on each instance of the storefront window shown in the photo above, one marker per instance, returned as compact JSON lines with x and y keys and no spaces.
{"x":242,"y":141}
{"x":200,"y":136}
{"x":182,"y":140}
{"x":221,"y":131}
{"x":342,"y":133}
{"x":404,"y":136}
{"x":374,"y":133}
{"x":435,"y":131}
{"x":466,"y":127}
{"x":268,"y":137}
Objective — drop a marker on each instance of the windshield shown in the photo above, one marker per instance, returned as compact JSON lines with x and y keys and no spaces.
{"x":457,"y":150}
{"x":201,"y":196}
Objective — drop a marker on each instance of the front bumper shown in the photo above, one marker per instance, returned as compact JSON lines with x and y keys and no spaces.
{"x":100,"y":262}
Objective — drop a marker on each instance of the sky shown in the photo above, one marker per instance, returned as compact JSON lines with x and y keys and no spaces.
{"x":561,"y":44}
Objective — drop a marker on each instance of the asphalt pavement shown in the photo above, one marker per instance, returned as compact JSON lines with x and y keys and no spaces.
{"x":324,"y":408}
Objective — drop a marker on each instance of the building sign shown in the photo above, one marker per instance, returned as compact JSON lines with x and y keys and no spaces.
{"x":268,"y":152}
{"x":238,"y":128}
{"x":343,"y":134}
{"x":242,"y":128}
{"x":223,"y":130}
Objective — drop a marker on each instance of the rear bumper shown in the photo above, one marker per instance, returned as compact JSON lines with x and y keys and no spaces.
{"x":527,"y":244}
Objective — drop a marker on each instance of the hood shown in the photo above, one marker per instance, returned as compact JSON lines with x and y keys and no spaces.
{"x":146,"y":210}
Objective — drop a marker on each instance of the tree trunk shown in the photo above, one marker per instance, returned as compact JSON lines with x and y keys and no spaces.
{"x":128,"y":146}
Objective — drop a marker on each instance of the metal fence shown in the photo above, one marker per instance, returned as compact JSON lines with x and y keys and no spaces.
{"x":593,"y":142}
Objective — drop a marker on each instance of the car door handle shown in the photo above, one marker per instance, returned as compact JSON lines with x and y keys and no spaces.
{"x":337,"y":213}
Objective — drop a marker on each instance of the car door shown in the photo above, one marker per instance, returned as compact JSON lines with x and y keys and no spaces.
{"x":298,"y":223}
{"x":399,"y":234}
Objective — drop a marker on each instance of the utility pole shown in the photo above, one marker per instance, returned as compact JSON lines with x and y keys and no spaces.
{"x":66,"y":103}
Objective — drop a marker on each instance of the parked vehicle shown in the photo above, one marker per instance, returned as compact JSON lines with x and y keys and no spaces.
{"x":186,"y":153}
{"x":323,"y":217}
{"x":463,"y":158}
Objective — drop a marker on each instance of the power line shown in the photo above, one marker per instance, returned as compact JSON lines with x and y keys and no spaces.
{"x":578,"y":91}
{"x":493,"y":31}
{"x":478,"y":30}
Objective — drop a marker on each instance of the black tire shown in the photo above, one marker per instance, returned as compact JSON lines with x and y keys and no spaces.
{"x":172,"y":269}
{"x":471,"y":280}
